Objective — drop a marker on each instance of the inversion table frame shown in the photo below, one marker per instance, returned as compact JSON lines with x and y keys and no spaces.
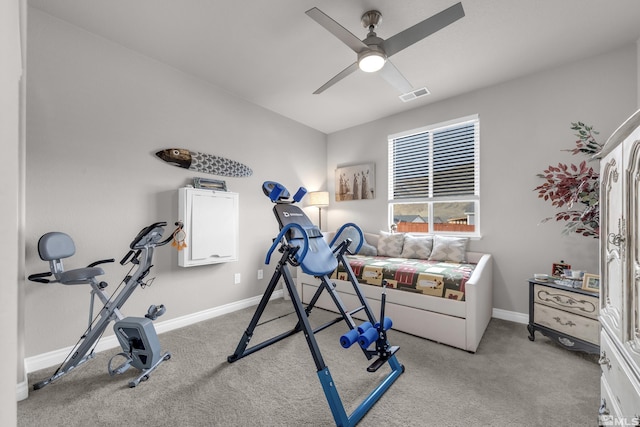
{"x":292,"y":253}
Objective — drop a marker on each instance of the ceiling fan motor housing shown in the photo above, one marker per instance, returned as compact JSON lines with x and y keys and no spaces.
{"x":371,"y":19}
{"x":374,"y":52}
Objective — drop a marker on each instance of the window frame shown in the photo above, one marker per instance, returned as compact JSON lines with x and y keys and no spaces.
{"x":432,"y":200}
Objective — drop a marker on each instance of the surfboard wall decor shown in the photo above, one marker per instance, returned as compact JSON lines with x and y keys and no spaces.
{"x":202,"y":162}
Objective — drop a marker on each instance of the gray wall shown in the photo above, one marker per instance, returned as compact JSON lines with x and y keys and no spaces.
{"x":524,"y":125}
{"x":11,"y":72}
{"x":96,"y":113}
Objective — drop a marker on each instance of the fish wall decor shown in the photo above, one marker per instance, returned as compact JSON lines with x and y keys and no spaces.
{"x":202,"y":162}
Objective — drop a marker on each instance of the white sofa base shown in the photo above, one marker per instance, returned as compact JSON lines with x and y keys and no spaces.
{"x":459,"y":324}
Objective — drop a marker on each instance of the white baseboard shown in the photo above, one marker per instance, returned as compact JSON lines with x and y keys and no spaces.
{"x":52,"y":358}
{"x":22,"y":389}
{"x":512,"y":316}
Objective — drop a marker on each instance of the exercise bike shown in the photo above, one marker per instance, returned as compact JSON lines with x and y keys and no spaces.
{"x":136,"y":335}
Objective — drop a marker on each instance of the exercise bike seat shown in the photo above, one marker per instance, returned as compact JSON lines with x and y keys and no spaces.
{"x":55,"y":246}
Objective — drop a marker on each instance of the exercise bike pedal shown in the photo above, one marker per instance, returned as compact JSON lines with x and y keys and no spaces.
{"x":155,"y":311}
{"x":383,"y":359}
{"x":122,"y":368}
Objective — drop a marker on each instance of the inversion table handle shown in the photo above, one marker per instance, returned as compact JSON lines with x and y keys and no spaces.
{"x":277,"y":240}
{"x":358,"y":229}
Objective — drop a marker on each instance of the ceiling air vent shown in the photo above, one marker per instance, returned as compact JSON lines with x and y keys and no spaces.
{"x":418,"y":93}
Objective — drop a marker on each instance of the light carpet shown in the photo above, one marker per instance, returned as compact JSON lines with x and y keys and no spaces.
{"x":510,"y":381}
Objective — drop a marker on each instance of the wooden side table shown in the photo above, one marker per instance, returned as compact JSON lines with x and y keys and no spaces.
{"x":569,"y":316}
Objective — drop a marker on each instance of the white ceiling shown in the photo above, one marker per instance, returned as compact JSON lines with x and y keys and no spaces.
{"x":272,"y":54}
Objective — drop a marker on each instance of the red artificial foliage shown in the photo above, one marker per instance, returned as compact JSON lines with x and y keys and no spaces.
{"x":575,"y":187}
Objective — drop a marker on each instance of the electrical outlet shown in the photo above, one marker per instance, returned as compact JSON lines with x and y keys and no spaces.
{"x":236,"y":278}
{"x":260,"y":274}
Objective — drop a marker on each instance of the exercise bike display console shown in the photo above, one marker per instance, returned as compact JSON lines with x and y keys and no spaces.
{"x":136,"y":335}
{"x":302,"y":244}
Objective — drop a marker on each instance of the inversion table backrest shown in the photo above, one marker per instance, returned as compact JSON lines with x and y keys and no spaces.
{"x":319,"y":259}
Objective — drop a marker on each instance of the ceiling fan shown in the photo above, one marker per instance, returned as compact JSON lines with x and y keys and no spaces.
{"x":374,"y":52}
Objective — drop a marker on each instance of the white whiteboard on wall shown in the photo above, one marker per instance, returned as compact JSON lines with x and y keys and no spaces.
{"x":211,"y":225}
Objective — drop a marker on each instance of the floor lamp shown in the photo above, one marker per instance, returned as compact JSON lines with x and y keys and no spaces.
{"x":319,"y":199}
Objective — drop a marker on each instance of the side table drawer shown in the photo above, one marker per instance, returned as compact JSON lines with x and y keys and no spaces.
{"x":584,"y":305}
{"x":567,"y":323}
{"x":624,"y":389}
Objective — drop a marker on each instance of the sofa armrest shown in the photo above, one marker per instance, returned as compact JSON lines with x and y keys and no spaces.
{"x":371,"y":239}
{"x":479,"y":299}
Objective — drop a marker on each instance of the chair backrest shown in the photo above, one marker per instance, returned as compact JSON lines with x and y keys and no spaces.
{"x":53,"y":247}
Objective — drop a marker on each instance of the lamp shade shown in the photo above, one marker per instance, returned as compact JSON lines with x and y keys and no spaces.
{"x":318,"y":198}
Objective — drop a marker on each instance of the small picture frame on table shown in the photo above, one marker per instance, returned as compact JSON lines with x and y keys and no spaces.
{"x":591,"y":282}
{"x":558,"y":268}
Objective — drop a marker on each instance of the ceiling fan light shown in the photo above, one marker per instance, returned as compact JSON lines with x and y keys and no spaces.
{"x":372,"y":61}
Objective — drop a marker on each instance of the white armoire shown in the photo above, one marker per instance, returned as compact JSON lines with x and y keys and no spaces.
{"x":620,"y":275}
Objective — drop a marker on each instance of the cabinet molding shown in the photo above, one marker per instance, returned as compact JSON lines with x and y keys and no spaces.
{"x":619,"y":272}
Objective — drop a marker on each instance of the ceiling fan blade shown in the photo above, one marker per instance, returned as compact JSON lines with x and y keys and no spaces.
{"x":336,"y":29}
{"x":395,"y":78}
{"x":341,"y":75}
{"x":414,"y":34}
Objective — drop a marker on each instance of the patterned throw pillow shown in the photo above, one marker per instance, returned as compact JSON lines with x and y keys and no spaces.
{"x":449,"y":249}
{"x":417,"y":246}
{"x":390,"y":244}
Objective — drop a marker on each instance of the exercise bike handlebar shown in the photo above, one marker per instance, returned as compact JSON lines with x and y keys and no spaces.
{"x":179,"y":226}
{"x":126,"y":258}
{"x":102,"y":261}
{"x":40,"y":277}
{"x":280,"y":236}
{"x":149,"y":237}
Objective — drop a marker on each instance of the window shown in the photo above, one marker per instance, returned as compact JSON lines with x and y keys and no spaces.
{"x":434,"y":178}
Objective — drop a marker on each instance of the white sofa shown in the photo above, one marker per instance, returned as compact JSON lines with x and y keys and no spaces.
{"x":459,"y":324}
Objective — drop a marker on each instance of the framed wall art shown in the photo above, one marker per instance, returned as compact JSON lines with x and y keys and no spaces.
{"x":356,"y":182}
{"x":591,"y":282}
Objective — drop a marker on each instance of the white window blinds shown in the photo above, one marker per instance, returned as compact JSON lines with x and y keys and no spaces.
{"x":442,"y":161}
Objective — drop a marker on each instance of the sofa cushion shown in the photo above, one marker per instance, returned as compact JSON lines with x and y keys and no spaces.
{"x":390,"y":244}
{"x":417,"y":246}
{"x":418,"y":276}
{"x":447,"y":248}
